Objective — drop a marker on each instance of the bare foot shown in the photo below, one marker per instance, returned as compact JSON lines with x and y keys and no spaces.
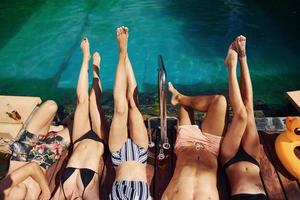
{"x":175,"y":94}
{"x":122,"y":37}
{"x":240,"y":45}
{"x":231,"y":58}
{"x":85,"y":47}
{"x":96,"y":59}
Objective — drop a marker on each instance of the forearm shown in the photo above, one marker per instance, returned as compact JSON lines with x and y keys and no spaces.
{"x":39,"y":176}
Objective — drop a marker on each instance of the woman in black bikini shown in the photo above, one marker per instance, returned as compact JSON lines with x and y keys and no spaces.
{"x":239,"y":150}
{"x":80,"y":178}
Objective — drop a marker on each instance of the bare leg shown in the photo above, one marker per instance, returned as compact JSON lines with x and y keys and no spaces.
{"x":95,"y":95}
{"x":214,"y":106}
{"x":81,"y":117}
{"x":232,"y":139}
{"x":118,"y":131}
{"x":185,"y":116}
{"x":137,"y":128}
{"x":41,"y":120}
{"x":250,"y":140}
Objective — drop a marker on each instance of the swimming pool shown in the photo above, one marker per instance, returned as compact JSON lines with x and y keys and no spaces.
{"x":40,"y":54}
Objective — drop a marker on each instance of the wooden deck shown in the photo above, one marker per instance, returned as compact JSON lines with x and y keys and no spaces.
{"x":278,"y":183}
{"x":294,"y":97}
{"x":9,"y":127}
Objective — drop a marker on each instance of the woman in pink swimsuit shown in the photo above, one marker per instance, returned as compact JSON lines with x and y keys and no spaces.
{"x":195,"y":175}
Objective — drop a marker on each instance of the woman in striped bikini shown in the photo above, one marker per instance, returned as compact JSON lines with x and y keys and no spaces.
{"x":129,"y":151}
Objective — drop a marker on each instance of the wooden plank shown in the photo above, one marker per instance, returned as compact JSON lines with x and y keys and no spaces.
{"x":269,"y":175}
{"x":23,"y":105}
{"x":294,"y":97}
{"x":9,"y":127}
{"x":10,"y":131}
{"x":289,"y":183}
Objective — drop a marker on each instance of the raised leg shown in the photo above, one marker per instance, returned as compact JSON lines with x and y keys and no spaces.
{"x":98,"y":123}
{"x":214,"y":106}
{"x":185,"y":116}
{"x":232,"y":139}
{"x":81,"y":117}
{"x":41,"y":120}
{"x":250,"y":139}
{"x":118,"y":130}
{"x":137,"y":128}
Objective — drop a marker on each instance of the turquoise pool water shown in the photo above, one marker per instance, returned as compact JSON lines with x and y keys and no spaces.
{"x":40,"y":54}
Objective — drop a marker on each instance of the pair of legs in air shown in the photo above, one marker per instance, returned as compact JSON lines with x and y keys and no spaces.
{"x":239,"y":151}
{"x":80,"y":178}
{"x":39,"y":146}
{"x":195,"y":175}
{"x":128,"y":140}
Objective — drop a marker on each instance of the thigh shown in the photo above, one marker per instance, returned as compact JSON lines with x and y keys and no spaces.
{"x":42,"y":118}
{"x":214,"y":121}
{"x":137,"y":128}
{"x":250,"y":139}
{"x":185,"y":116}
{"x":118,"y":132}
{"x":81,"y":124}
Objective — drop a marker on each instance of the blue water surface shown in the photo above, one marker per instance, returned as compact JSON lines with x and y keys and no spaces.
{"x":40,"y":54}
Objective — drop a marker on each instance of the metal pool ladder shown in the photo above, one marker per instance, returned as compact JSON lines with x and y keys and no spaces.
{"x":162,"y":92}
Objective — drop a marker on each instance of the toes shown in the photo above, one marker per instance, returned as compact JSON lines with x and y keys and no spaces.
{"x":243,"y":38}
{"x":96,"y":54}
{"x":85,"y":39}
{"x":119,"y":31}
{"x":170,"y":86}
{"x":125,"y":28}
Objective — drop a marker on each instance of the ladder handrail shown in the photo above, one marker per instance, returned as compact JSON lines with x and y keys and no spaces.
{"x":162,"y":90}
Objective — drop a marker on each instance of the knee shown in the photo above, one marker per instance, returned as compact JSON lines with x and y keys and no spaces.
{"x":220,"y":102}
{"x":51,"y":106}
{"x":121,"y":107}
{"x":82,"y":99}
{"x":132,"y":103}
{"x":249,"y":108}
{"x":241,"y":115}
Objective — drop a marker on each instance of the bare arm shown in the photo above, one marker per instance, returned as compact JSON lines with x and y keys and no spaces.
{"x":19,"y":175}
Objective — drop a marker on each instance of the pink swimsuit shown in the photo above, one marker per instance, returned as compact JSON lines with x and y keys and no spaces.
{"x":191,"y":135}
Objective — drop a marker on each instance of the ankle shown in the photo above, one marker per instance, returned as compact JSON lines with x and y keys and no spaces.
{"x":243,"y":58}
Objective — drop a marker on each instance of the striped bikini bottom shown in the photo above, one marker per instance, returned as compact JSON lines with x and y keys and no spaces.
{"x":129,"y":190}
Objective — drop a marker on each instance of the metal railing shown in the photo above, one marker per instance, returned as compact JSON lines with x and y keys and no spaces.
{"x":162,"y":90}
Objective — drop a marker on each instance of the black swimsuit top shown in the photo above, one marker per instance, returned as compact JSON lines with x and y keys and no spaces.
{"x":241,"y":155}
{"x":85,"y":173}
